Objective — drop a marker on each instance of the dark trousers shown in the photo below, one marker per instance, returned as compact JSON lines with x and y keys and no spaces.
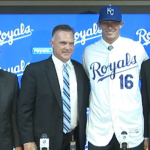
{"x":66,"y":141}
{"x":113,"y":145}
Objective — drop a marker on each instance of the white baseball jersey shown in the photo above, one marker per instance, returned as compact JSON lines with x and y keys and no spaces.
{"x":115,"y":99}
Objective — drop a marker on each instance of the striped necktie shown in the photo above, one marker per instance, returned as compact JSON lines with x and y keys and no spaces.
{"x":66,"y":100}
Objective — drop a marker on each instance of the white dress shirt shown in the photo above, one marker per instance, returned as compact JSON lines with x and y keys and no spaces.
{"x":73,"y":87}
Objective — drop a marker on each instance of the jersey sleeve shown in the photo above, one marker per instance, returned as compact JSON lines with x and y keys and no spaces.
{"x":84,"y":63}
{"x":144,"y":55}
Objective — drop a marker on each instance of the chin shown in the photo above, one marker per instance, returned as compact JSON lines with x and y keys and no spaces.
{"x":66,"y":58}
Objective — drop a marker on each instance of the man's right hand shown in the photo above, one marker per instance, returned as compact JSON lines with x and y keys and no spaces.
{"x":30,"y":146}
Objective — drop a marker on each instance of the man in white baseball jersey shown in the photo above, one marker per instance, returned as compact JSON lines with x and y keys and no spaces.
{"x":113,"y":65}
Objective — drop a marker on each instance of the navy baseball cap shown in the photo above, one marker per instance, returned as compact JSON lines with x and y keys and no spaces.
{"x":110,"y":13}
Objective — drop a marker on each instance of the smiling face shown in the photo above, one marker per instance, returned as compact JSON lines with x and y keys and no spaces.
{"x":110,"y":30}
{"x":63,"y":45}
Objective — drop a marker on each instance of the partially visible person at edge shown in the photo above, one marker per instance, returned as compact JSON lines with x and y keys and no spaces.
{"x":113,"y":66}
{"x":49,"y":105}
{"x":9,"y":136}
{"x":145,"y":88}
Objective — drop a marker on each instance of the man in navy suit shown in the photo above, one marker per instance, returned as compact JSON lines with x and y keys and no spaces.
{"x":41,"y":106}
{"x":8,"y":98}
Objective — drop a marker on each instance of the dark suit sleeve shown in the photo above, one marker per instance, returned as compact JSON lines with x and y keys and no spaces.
{"x":14,"y":120}
{"x":145,"y":100}
{"x":25,"y":106}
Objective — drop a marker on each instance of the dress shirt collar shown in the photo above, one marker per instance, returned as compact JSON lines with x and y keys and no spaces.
{"x":59,"y":64}
{"x":107,"y":44}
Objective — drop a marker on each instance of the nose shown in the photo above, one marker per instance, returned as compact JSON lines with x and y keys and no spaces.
{"x":67,"y":46}
{"x":109,"y":24}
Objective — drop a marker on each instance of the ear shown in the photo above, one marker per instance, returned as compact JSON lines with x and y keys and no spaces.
{"x":52,"y":43}
{"x":121,"y":24}
{"x":98,"y":24}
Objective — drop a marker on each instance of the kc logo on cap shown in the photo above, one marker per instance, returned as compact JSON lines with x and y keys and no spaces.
{"x":110,"y":13}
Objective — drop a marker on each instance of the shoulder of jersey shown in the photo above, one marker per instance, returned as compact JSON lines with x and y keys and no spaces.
{"x":94,"y":45}
{"x":131,"y":41}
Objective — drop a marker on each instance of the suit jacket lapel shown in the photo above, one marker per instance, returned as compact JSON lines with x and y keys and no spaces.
{"x":2,"y":88}
{"x":53,"y":79}
{"x":79,"y":86}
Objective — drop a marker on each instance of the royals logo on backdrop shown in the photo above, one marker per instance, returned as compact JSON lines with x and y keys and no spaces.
{"x":144,"y":36}
{"x":18,"y":69}
{"x":85,"y":35}
{"x":16,"y":34}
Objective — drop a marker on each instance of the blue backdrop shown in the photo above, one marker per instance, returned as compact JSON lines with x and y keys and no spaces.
{"x":24,"y":38}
